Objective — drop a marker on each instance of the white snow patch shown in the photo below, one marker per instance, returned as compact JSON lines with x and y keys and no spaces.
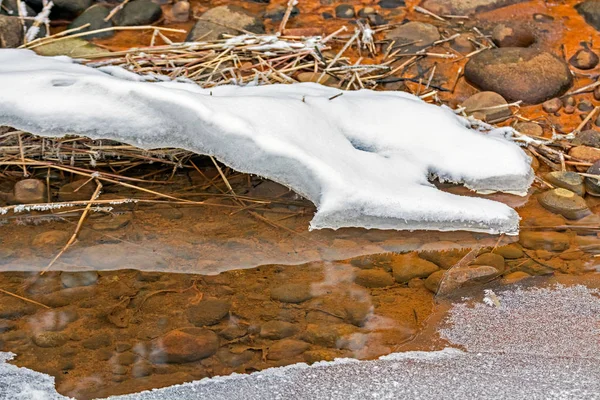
{"x":363,"y":158}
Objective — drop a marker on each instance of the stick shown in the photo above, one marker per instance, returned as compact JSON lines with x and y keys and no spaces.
{"x":24,"y":298}
{"x":286,"y":16}
{"x":115,"y":10}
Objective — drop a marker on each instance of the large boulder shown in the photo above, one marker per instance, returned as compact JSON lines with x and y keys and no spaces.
{"x":519,"y":74}
{"x":230,"y":20}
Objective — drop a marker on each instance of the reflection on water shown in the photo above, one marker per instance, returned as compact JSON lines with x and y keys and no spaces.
{"x":138,"y":302}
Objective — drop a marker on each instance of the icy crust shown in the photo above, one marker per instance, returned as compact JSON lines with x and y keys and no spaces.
{"x":362,"y":157}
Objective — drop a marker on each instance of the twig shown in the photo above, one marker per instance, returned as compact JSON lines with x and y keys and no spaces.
{"x":24,"y":298}
{"x":286,"y":16}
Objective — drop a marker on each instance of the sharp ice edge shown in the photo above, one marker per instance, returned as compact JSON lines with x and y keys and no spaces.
{"x":363,"y":158}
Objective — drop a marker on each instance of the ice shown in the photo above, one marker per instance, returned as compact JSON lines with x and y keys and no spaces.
{"x":363,"y":157}
{"x":555,"y":356}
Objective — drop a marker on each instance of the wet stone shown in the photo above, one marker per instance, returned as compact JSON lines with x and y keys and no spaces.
{"x":76,"y":279}
{"x":6,"y":326}
{"x":585,"y":106}
{"x":330,"y":335}
{"x":287,"y":348}
{"x":552,"y":106}
{"x":142,"y":368}
{"x":97,"y":341}
{"x":552,"y":241}
{"x":564,"y":202}
{"x":79,"y":190}
{"x":515,"y":277}
{"x":234,"y":360}
{"x":588,"y":137}
{"x":585,"y":153}
{"x":462,"y":7}
{"x":120,"y":370}
{"x":373,"y":278}
{"x":459,"y":277}
{"x":590,"y":10}
{"x":181,"y":11}
{"x":518,"y":73}
{"x":510,"y":251}
{"x":407,"y":267}
{"x":567,"y":180}
{"x":313,"y":356}
{"x":491,"y":259}
{"x":390,"y":4}
{"x":184,"y":345}
{"x":529,"y":128}
{"x":54,"y":320}
{"x":49,"y":339}
{"x":345,"y":11}
{"x":462,"y":44}
{"x":291,"y":293}
{"x":11,"y":32}
{"x":512,"y":35}
{"x":485,"y":106}
{"x":592,"y":185}
{"x":229,"y":19}
{"x":94,"y":16}
{"x":276,"y":14}
{"x":432,"y":283}
{"x":233,"y":332}
{"x":126,"y":358}
{"x":275,"y":330}
{"x":29,"y":191}
{"x":138,"y":12}
{"x":111,"y":222}
{"x":208,"y":312}
{"x":413,"y":36}
{"x":122,"y":346}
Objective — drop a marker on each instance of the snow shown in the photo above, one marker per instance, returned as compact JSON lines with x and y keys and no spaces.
{"x":363,"y":157}
{"x":555,"y":356}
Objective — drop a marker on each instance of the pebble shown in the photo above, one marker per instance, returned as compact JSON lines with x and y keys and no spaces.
{"x":551,"y":241}
{"x":462,"y":7}
{"x":458,"y":277}
{"x":49,"y":339}
{"x":592,"y":185}
{"x":29,"y":191}
{"x":287,"y":348}
{"x":97,"y":341}
{"x":590,"y":10}
{"x":76,"y":279}
{"x":95,"y":17}
{"x":184,"y":345}
{"x":141,"y":369}
{"x":111,"y":222}
{"x":584,"y":59}
{"x":510,"y":251}
{"x":234,"y":360}
{"x":420,"y":32}
{"x":566,"y":180}
{"x":11,"y":32}
{"x":476,"y":106}
{"x":529,"y":128}
{"x":330,"y":335}
{"x":181,"y":11}
{"x":276,"y":14}
{"x":277,"y":330}
{"x":51,"y":238}
{"x":233,"y":332}
{"x":345,"y":11}
{"x":138,"y":12}
{"x":585,"y":106}
{"x":588,"y":137}
{"x":552,"y":106}
{"x":407,"y":267}
{"x":432,"y":283}
{"x":13,"y":308}
{"x":373,"y":278}
{"x":126,"y":358}
{"x":512,"y":35}
{"x":443,"y":259}
{"x":519,"y":73}
{"x":228,"y":19}
{"x":291,"y":293}
{"x":208,"y":312}
{"x":391,"y":4}
{"x":491,"y":259}
{"x":585,"y":154}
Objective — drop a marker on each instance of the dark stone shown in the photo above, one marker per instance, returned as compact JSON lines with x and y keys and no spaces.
{"x":589,"y":138}
{"x":327,"y":15}
{"x":345,"y":11}
{"x":138,"y":12}
{"x":519,"y":74}
{"x":208,"y":312}
{"x":277,"y":14}
{"x":584,"y":59}
{"x":590,"y":10}
{"x":592,"y":185}
{"x":391,"y":3}
{"x":95,"y":17}
{"x":11,"y":32}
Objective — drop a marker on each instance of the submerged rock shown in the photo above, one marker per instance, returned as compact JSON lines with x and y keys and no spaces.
{"x":411,"y":266}
{"x":519,"y":74}
{"x":413,"y":36}
{"x":344,"y":11}
{"x":373,"y":278}
{"x":286,"y":348}
{"x":29,"y":191}
{"x":552,"y":106}
{"x":291,"y":293}
{"x":551,"y":241}
{"x":458,"y":277}
{"x":491,"y":259}
{"x":208,"y":312}
{"x":275,"y":330}
{"x":487,"y":106}
{"x":184,"y":345}
{"x":75,"y":279}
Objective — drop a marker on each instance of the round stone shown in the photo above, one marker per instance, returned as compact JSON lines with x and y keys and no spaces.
{"x":411,"y":266}
{"x":208,"y":312}
{"x":373,"y":278}
{"x":518,"y":73}
{"x":275,"y":330}
{"x":487,"y":106}
{"x":584,"y":59}
{"x":345,"y":11}
{"x":564,"y":202}
{"x":29,"y":191}
{"x":413,"y":36}
{"x":492,"y":259}
{"x":552,"y":106}
{"x":592,"y":185}
{"x":184,"y":345}
{"x":585,"y":154}
{"x":49,"y":339}
{"x":291,"y":293}
{"x":529,"y":128}
{"x":287,"y":348}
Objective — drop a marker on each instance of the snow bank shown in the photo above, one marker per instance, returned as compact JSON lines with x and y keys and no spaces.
{"x":363,"y":158}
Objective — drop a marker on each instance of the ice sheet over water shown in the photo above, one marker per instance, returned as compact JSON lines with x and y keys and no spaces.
{"x":363,"y":157}
{"x":554,"y":359}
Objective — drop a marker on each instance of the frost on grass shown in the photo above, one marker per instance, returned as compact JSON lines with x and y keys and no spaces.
{"x":363,"y":157}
